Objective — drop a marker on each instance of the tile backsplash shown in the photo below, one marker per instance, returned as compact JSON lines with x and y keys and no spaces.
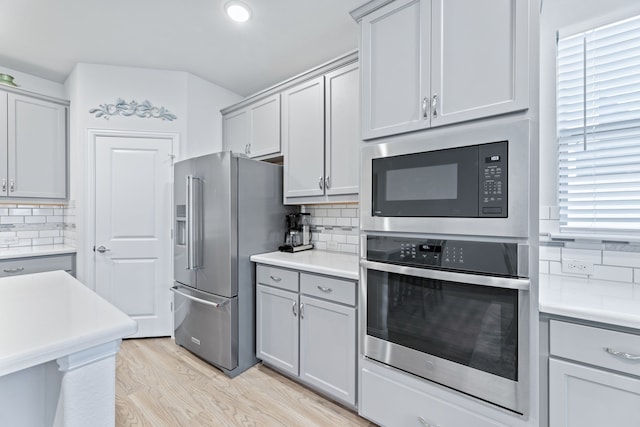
{"x":618,"y":262}
{"x":36,"y":224}
{"x":335,"y":227}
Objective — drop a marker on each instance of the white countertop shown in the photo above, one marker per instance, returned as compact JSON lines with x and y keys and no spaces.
{"x":615,"y":303}
{"x":314,"y":261}
{"x":45,"y":316}
{"x":29,"y":251}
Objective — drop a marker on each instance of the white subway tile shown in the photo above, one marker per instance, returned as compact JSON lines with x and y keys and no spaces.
{"x":550,"y":253}
{"x":351,"y":249}
{"x":636,"y":275}
{"x":8,"y":205}
{"x":4,"y":211}
{"x":334,"y":212}
{"x":42,"y":241}
{"x":12,"y":220}
{"x":340,"y":238}
{"x":55,"y":218}
{"x":555,"y":267}
{"x":58,"y":240}
{"x":354,"y":240}
{"x":26,"y":206}
{"x":622,"y":259}
{"x":329,"y":221}
{"x":320,"y":212}
{"x":41,"y":211}
{"x":592,"y":256}
{"x":27,"y":234}
{"x":618,"y":274}
{"x":49,"y":233}
{"x":323,"y":237}
{"x":19,"y":212}
{"x":321,"y":245}
{"x":36,"y":220}
{"x":349,"y":213}
{"x":544,"y":267}
{"x":355,"y":222}
{"x":7,"y":234}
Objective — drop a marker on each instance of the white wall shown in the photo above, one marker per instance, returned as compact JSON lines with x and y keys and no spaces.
{"x":194,"y":101}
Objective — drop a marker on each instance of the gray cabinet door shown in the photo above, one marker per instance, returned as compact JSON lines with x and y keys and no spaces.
{"x":328,"y":347}
{"x":265,"y":127}
{"x":303,"y":139}
{"x":394,"y":56}
{"x":236,"y":131}
{"x":342,"y":134}
{"x":37,"y":148}
{"x":584,"y":396}
{"x":479,"y":61}
{"x":277,"y":328}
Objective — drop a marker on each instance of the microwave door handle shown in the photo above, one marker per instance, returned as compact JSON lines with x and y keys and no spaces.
{"x":472,"y":279}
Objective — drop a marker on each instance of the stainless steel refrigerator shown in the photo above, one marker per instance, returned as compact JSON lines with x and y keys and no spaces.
{"x":227,"y":208}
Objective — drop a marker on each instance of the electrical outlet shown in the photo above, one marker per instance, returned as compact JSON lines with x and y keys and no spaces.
{"x":9,"y":240}
{"x":577,"y":267}
{"x":332,"y":246}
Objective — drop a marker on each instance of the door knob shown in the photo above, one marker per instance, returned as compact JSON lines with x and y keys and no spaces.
{"x":101,"y":249}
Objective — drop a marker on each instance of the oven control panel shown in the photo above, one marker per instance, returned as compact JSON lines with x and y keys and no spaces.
{"x":454,"y":255}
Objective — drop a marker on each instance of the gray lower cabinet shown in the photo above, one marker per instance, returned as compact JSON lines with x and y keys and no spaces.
{"x":306,"y":327}
{"x":38,"y":264}
{"x":594,"y":376}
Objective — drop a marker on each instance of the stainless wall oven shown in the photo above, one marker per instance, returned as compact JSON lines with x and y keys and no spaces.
{"x":455,"y":312}
{"x":468,"y":180}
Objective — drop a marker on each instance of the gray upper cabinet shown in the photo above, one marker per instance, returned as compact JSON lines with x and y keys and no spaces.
{"x":33,"y":147}
{"x":433,"y":62}
{"x":320,"y":138}
{"x":255,"y":129}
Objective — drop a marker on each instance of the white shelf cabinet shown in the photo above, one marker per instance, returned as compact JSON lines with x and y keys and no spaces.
{"x":306,"y":327}
{"x":588,"y":385}
{"x":428,"y":63}
{"x":33,"y":147}
{"x":320,"y":138}
{"x":254,"y":130}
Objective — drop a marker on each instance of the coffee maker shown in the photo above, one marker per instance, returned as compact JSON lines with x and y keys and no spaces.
{"x":298,"y":236}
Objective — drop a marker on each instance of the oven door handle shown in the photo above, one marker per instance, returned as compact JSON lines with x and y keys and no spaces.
{"x":473,"y":279}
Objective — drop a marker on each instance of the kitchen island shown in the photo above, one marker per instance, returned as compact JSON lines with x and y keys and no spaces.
{"x":58,"y":341}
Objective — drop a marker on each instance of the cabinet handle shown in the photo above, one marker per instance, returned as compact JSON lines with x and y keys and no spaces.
{"x":4,"y":185}
{"x":327,"y":182}
{"x":246,"y":149}
{"x":275,"y":278}
{"x":13,"y":270}
{"x":325,"y":290}
{"x":425,"y":107}
{"x":434,"y":105}
{"x":12,"y":185}
{"x":621,"y":354}
{"x":302,"y":310}
{"x":320,"y":183}
{"x":293,"y":308}
{"x":249,"y":149}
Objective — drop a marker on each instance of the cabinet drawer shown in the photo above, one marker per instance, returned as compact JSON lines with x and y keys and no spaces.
{"x":277,"y":277}
{"x":411,"y":407}
{"x":17,"y":266}
{"x":595,"y":346}
{"x":342,"y":291}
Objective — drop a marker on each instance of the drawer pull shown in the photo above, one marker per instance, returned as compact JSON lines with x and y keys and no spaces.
{"x":622,"y":355}
{"x":325,"y":290}
{"x":275,"y":278}
{"x":13,"y":270}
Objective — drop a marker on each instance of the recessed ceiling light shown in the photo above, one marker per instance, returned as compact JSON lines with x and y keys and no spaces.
{"x":237,"y":11}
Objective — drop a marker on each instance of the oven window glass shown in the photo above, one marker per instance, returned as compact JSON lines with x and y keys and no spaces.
{"x":438,"y":182}
{"x":475,"y":326}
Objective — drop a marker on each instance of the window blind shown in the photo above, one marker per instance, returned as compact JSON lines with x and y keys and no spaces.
{"x":598,"y":125}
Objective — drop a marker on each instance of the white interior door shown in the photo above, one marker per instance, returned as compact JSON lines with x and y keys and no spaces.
{"x":133,"y":187}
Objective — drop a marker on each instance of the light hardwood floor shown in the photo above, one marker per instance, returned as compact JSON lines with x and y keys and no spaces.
{"x":161,"y":384}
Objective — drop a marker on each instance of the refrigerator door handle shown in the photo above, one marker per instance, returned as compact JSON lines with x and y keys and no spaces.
{"x":200,"y":300}
{"x":193,"y":223}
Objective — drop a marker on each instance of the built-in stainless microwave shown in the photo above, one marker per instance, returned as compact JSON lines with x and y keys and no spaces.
{"x":470,"y":180}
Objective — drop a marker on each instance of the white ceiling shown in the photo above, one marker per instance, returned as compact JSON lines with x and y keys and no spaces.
{"x":47,"y":38}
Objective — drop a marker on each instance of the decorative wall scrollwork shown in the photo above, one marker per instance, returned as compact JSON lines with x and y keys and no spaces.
{"x":143,"y":110}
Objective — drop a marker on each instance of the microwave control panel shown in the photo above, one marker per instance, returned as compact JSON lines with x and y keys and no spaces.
{"x":492,"y":179}
{"x":453,"y":255}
